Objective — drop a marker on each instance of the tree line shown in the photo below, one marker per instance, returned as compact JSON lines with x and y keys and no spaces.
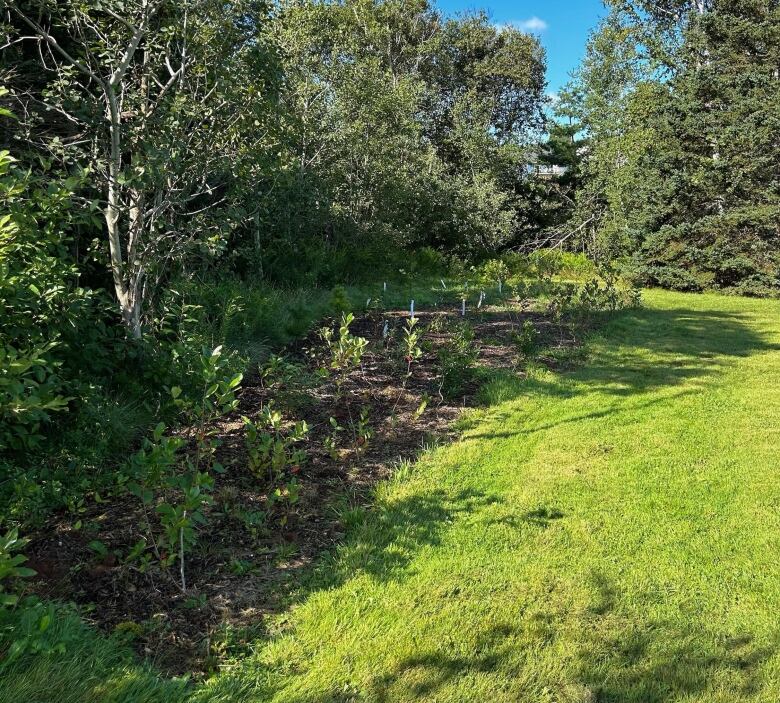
{"x":256,"y":137}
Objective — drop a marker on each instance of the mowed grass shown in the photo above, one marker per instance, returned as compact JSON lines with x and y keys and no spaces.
{"x":605,"y":534}
{"x":608,"y":534}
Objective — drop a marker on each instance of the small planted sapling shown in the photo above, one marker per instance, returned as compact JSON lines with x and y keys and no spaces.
{"x":178,"y":485}
{"x":363,"y":431}
{"x":412,"y":335}
{"x":277,"y":371}
{"x":346,"y":350}
{"x":331,"y":442}
{"x":526,"y":339}
{"x":286,"y":496}
{"x":270,"y":448}
{"x":456,"y":360}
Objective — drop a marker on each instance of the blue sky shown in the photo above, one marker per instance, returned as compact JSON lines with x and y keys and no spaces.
{"x":562,"y":25}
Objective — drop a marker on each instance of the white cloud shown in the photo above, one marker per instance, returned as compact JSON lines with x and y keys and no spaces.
{"x":532,"y":24}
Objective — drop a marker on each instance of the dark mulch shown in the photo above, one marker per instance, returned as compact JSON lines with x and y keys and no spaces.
{"x":238,"y":575}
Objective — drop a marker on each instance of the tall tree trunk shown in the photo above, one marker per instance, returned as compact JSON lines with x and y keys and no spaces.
{"x":129,"y":304}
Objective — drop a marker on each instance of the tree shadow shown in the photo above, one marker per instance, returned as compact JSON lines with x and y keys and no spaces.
{"x":655,"y":660}
{"x":643,"y":660}
{"x":649,"y":350}
{"x":386,"y":543}
{"x":684,"y":345}
{"x":424,"y":674}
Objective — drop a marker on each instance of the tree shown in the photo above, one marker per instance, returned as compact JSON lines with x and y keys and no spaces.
{"x":159,"y":109}
{"x":681,"y":105}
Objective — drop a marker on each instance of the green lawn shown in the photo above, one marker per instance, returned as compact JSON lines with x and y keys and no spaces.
{"x":611,"y":534}
{"x":607,"y":534}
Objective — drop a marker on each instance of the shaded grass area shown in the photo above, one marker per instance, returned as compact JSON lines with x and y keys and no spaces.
{"x":607,"y":534}
{"x":92,"y":670}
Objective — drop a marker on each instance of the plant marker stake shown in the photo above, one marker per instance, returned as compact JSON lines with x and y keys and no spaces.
{"x":481,"y":298}
{"x":368,"y":302}
{"x":463,"y":307}
{"x":386,"y":330}
{"x":443,"y":284}
{"x":384,"y":287}
{"x":411,"y":309}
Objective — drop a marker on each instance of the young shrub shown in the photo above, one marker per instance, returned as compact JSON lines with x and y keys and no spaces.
{"x":271,"y":451}
{"x":457,"y":359}
{"x":494,"y":272}
{"x":30,"y":390}
{"x":363,"y":431}
{"x":346,"y":350}
{"x":410,"y":339}
{"x":527,"y":339}
{"x":331,"y":442}
{"x":179,"y":487}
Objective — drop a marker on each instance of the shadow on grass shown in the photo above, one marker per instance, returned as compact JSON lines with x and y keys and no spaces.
{"x":645,"y":662}
{"x":648,"y":350}
{"x":389,"y":539}
{"x":629,"y":660}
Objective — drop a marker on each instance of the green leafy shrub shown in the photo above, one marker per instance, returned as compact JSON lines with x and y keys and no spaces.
{"x":30,"y":390}
{"x":178,"y":486}
{"x":494,"y":272}
{"x":271,"y":449}
{"x":52,"y":340}
{"x":456,"y":360}
{"x":346,"y":350}
{"x":410,"y":344}
{"x":11,"y":565}
{"x":527,"y":339}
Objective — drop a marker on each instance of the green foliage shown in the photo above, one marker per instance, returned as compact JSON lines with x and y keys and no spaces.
{"x":176,"y":485}
{"x":11,"y":565}
{"x":346,"y":350}
{"x":29,"y":392}
{"x":271,"y":447}
{"x":493,"y":272}
{"x":410,"y":343}
{"x":44,"y":312}
{"x":604,"y":293}
{"x":457,"y":359}
{"x":340,"y":303}
{"x":681,"y":170}
{"x":363,"y":431}
{"x":527,"y":339}
{"x":331,"y":442}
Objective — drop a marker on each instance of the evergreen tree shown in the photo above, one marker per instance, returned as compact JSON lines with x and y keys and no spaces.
{"x":683,"y":107}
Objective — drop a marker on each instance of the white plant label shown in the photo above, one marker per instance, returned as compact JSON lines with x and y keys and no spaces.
{"x":411,"y":310}
{"x":463,"y":307}
{"x":386,"y":330}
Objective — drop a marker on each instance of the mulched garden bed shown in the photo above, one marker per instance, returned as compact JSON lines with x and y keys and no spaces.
{"x":239,"y":573}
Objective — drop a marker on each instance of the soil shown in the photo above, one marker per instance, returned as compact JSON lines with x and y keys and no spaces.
{"x":239,"y":573}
